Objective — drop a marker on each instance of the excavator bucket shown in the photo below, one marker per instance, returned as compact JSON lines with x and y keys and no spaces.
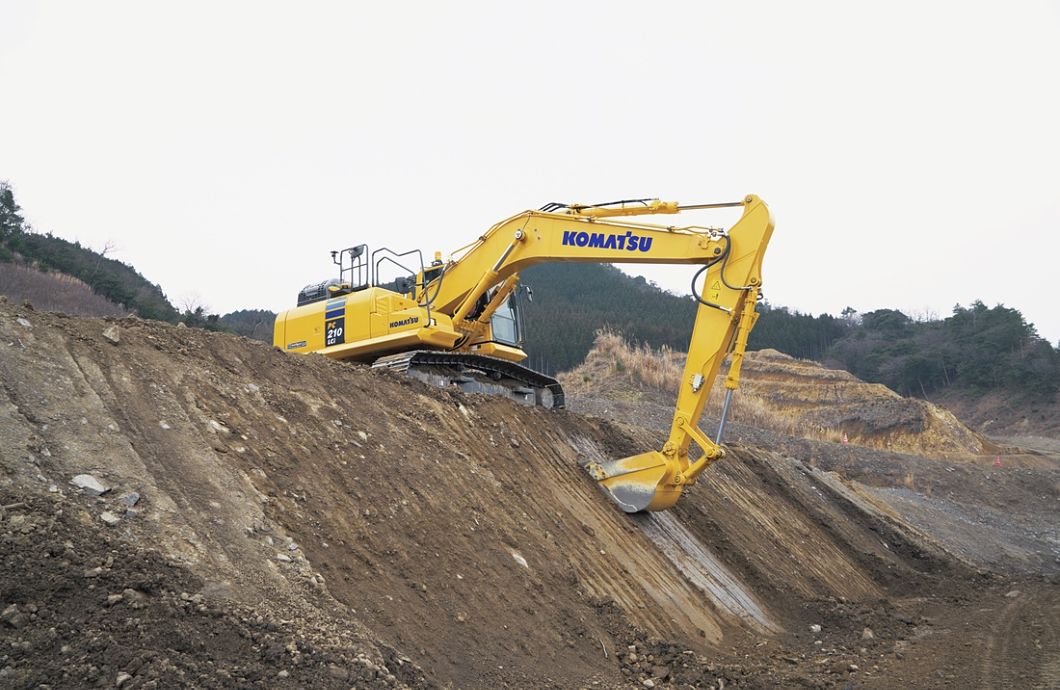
{"x":640,"y":482}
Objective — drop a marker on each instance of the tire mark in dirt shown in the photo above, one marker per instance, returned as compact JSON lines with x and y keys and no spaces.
{"x":1022,"y":648}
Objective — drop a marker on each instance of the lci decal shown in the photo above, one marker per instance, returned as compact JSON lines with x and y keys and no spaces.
{"x":599,"y":240}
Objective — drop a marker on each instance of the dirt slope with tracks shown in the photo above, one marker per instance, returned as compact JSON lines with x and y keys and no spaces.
{"x":279,"y":521}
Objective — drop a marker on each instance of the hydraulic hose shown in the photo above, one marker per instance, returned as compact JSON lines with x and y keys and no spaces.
{"x":724,"y":259}
{"x":703,"y":269}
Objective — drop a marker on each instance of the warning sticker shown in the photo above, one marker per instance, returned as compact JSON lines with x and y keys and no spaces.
{"x":715,"y":291}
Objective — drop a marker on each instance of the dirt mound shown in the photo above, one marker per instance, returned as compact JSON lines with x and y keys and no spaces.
{"x":778,"y":393}
{"x":1001,"y":414}
{"x":298,"y":522}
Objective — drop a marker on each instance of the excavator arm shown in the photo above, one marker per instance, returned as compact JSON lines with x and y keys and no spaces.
{"x":732,"y":264}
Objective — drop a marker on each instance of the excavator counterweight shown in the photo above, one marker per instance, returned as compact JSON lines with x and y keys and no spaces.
{"x":458,"y":322}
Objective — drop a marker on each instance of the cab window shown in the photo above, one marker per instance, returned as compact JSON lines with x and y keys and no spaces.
{"x":505,"y":329}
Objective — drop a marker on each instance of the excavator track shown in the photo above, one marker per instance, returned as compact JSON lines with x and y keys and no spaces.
{"x":477,"y":374}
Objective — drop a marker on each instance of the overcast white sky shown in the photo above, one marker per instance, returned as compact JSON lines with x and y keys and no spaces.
{"x":910,"y":150}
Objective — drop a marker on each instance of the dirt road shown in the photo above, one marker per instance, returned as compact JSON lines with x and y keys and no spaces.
{"x":1023,"y":629}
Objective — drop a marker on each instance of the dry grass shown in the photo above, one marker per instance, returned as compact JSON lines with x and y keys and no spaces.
{"x":613,"y":358}
{"x":749,"y":408}
{"x":659,"y":369}
{"x":778,"y":393}
{"x":54,"y":292}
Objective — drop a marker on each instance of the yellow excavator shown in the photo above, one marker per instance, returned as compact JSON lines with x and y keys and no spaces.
{"x":457,"y":322}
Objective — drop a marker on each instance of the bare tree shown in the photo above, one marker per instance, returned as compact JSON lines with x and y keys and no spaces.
{"x":193,"y":303}
{"x":109,"y":247}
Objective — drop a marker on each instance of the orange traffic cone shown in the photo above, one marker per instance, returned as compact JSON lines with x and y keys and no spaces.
{"x":997,"y":461}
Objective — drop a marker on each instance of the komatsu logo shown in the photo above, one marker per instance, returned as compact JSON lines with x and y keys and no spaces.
{"x":405,"y":322}
{"x":600,"y":240}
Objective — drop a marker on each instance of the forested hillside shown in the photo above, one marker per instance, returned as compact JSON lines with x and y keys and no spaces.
{"x":252,"y":323}
{"x":108,"y":278}
{"x":800,"y":335}
{"x":976,"y":349}
{"x":572,"y":301}
{"x":65,"y":276}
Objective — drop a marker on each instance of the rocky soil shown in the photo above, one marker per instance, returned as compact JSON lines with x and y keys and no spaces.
{"x":86,"y":608}
{"x":183,"y":508}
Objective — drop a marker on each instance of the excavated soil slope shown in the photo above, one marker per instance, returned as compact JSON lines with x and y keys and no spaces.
{"x":996,"y":508}
{"x":280,"y":521}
